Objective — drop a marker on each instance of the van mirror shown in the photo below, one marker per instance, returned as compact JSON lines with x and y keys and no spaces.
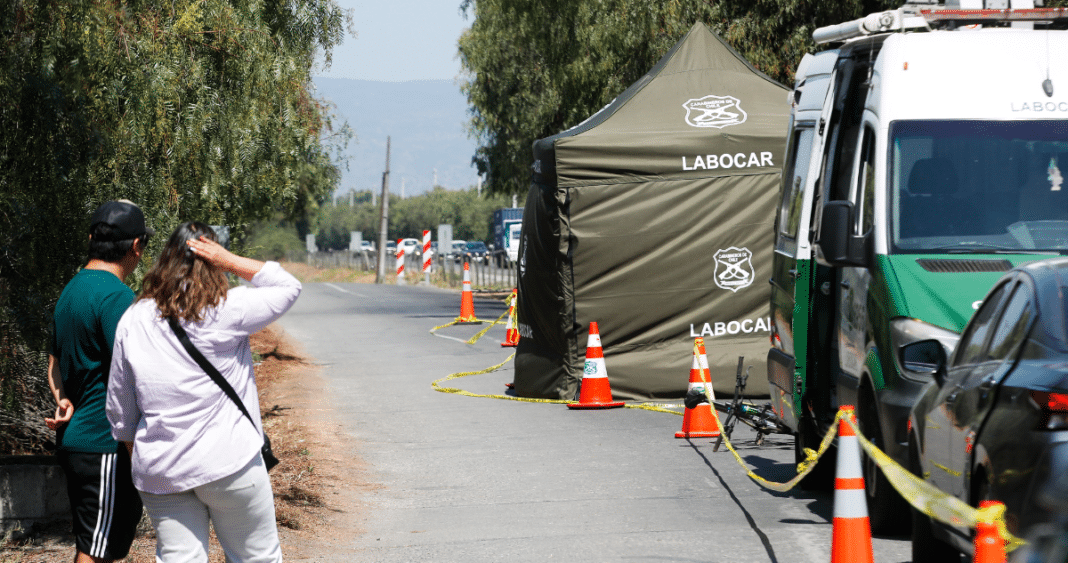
{"x":926,"y":357}
{"x":837,"y":242}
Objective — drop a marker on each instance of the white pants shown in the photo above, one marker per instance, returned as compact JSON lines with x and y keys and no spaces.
{"x":240,"y":506}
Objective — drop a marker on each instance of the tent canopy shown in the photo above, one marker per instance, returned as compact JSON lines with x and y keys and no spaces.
{"x":654,"y":219}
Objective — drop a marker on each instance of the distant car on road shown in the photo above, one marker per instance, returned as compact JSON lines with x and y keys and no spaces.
{"x":475,"y":251}
{"x":993,"y":422}
{"x":456,"y":250}
{"x":412,"y":247}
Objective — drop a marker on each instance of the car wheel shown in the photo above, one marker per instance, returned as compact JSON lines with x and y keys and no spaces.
{"x":926,"y":548}
{"x":887,"y":511}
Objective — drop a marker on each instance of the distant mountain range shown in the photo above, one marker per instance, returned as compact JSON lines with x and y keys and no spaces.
{"x":425,"y":120}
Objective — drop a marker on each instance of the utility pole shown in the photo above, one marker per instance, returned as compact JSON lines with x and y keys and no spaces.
{"x":383,"y":229}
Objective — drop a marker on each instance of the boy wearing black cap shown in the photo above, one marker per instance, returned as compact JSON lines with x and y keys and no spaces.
{"x":105,"y":507}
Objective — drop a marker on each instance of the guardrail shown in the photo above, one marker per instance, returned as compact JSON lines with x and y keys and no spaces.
{"x":446,"y":272}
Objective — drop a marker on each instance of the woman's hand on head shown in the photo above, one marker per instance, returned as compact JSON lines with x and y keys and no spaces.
{"x":210,"y":251}
{"x":216,"y":255}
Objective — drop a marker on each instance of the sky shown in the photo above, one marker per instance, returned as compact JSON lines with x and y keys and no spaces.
{"x":390,"y":52}
{"x":399,"y":40}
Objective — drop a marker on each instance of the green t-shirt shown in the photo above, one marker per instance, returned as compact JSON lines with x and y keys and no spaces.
{"x":84,"y":332}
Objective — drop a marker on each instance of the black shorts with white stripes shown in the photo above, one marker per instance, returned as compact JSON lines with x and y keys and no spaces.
{"x":105,"y":506}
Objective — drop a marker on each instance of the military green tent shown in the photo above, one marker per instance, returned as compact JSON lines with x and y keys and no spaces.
{"x":654,"y":219}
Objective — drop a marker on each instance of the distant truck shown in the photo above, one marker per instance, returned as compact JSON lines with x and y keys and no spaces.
{"x":507,"y":223}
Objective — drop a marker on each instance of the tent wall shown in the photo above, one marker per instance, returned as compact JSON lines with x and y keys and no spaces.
{"x":546,"y":357}
{"x":644,"y":268}
{"x":654,"y":218}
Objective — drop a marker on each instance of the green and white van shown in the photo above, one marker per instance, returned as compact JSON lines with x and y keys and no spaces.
{"x":925,"y":159}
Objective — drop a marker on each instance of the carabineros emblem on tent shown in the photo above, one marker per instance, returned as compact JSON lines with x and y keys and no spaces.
{"x":734,"y":268}
{"x":714,"y":111}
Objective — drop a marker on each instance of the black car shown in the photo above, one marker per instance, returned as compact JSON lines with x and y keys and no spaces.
{"x":476,"y":251}
{"x":993,"y":423}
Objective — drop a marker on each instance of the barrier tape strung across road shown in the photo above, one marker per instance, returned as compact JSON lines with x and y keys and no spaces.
{"x":923,"y":496}
{"x":479,"y":334}
{"x":803,"y":468}
{"x":932,"y":501}
{"x":437,"y":387}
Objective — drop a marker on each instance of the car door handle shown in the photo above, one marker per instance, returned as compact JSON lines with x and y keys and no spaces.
{"x":952,"y":396}
{"x":987,"y":384}
{"x":844,"y":284}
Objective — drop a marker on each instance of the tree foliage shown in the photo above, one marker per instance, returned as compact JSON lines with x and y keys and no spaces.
{"x":194,"y":109}
{"x":534,"y":68}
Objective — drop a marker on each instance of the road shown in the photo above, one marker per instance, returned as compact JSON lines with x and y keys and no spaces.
{"x":479,"y":480}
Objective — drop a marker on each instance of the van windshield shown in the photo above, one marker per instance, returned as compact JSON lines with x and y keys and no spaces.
{"x":978,"y":186}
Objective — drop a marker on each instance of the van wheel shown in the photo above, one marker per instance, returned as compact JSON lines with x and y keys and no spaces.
{"x":887,"y":511}
{"x":926,"y":548}
{"x":822,"y":476}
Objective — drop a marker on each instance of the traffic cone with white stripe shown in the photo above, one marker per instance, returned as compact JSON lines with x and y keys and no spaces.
{"x":989,"y":545}
{"x":851,"y":542}
{"x":467,"y":299}
{"x":699,"y":422}
{"x":596,"y":392}
{"x":511,"y":333}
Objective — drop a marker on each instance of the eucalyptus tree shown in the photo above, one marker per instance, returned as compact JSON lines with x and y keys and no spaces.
{"x":194,"y":109}
{"x":533,"y":68}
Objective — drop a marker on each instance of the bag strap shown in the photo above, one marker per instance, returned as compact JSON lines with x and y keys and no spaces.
{"x":207,"y":367}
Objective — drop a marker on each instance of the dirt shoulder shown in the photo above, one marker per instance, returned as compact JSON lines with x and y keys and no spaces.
{"x":319,"y":486}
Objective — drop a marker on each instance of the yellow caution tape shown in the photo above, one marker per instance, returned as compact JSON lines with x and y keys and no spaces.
{"x":931,"y":501}
{"x":491,"y":369}
{"x":923,"y":496}
{"x":483,"y":332}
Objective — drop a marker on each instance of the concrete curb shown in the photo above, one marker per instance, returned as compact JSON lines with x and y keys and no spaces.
{"x":33,"y":490}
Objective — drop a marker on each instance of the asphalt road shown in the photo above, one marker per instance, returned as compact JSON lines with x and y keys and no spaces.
{"x":479,"y":480}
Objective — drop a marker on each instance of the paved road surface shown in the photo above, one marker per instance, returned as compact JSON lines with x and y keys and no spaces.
{"x":479,"y":480}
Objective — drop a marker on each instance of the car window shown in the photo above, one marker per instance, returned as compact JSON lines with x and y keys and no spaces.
{"x":971,"y":345}
{"x":1012,"y":328}
{"x":790,"y":212}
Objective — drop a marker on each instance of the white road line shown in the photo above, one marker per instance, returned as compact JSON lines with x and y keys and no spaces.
{"x":460,"y":340}
{"x":341,"y":289}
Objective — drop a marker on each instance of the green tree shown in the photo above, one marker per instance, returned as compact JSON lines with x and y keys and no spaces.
{"x":195,"y":109}
{"x":534,"y":68}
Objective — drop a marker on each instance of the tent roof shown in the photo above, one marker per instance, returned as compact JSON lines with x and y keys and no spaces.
{"x":701,"y":95}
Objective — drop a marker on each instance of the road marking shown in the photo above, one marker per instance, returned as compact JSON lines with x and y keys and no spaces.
{"x":460,"y":340}
{"x":341,"y":289}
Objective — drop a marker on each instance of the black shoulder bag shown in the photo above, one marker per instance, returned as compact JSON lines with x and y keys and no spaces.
{"x":268,"y":456}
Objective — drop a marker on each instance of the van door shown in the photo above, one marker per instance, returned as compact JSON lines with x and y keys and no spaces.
{"x":784,"y":273}
{"x":854,"y":326}
{"x":792,"y":274}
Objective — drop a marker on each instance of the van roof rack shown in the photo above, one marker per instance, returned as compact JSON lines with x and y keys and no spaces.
{"x":928,"y":16}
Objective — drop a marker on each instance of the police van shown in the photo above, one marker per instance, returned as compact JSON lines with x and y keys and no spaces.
{"x":926,"y":157}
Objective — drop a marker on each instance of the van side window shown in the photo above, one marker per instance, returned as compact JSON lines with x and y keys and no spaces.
{"x":865,"y":195}
{"x":797,"y":171}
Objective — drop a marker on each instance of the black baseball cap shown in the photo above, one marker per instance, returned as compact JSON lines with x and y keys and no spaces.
{"x":124,"y":217}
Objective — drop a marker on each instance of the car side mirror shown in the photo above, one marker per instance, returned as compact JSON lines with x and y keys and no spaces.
{"x":837,"y":242}
{"x":927,"y":357}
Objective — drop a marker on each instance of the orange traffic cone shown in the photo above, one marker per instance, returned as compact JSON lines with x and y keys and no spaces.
{"x":467,"y":300}
{"x":698,"y":422}
{"x":989,"y":545}
{"x":851,"y":542}
{"x":511,"y":333}
{"x":596,"y":393}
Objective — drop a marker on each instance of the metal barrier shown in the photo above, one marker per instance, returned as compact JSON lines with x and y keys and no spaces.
{"x":446,"y":271}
